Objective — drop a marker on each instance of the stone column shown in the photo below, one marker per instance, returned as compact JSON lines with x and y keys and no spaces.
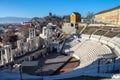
{"x":37,"y":43}
{"x":34,"y":32}
{"x":44,"y":31}
{"x":29,"y":33}
{"x":58,"y":48}
{"x":30,"y":46}
{"x":19,"y":46}
{"x":6,"y":55}
{"x":11,"y":54}
{"x":2,"y":61}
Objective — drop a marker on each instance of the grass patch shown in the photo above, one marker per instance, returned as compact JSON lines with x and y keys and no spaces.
{"x":90,"y":30}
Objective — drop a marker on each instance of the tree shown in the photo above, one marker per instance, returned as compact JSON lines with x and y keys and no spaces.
{"x":90,"y":17}
{"x":24,"y":32}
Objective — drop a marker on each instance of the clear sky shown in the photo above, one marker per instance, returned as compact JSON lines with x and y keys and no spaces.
{"x":39,"y":8}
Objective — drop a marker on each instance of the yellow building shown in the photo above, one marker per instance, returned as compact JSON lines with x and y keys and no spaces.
{"x":110,"y":16}
{"x":75,"y":17}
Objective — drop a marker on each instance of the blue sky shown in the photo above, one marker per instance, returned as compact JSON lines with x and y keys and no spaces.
{"x":40,"y":8}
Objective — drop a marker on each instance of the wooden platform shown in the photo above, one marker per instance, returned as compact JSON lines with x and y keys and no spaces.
{"x":48,"y":64}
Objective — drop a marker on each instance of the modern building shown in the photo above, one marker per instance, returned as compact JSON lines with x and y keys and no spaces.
{"x":75,"y":17}
{"x":73,"y":23}
{"x":110,"y":16}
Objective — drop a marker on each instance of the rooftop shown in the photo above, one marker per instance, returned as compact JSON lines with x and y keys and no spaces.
{"x":118,"y":7}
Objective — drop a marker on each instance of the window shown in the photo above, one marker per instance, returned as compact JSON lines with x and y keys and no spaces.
{"x":72,"y":24}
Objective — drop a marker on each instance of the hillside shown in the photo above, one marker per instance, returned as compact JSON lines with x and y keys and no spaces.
{"x":13,"y":19}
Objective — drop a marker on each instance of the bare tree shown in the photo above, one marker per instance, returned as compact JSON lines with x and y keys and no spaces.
{"x":90,"y":17}
{"x":24,"y":31}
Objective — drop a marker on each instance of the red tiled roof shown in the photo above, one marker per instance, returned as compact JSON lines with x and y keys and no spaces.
{"x":28,"y":24}
{"x":108,"y":10}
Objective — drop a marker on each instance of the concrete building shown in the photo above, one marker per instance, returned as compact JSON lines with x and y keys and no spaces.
{"x":110,"y":16}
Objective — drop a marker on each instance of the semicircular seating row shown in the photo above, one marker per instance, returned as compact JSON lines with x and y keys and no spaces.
{"x":113,"y":42}
{"x":87,"y":51}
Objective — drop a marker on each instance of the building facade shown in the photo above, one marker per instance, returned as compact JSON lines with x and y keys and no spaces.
{"x":110,"y":16}
{"x":75,"y":17}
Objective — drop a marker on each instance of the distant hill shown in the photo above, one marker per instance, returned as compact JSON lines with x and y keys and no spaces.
{"x":13,"y":19}
{"x":43,"y":21}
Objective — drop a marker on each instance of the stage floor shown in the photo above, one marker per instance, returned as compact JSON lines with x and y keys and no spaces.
{"x":48,"y":64}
